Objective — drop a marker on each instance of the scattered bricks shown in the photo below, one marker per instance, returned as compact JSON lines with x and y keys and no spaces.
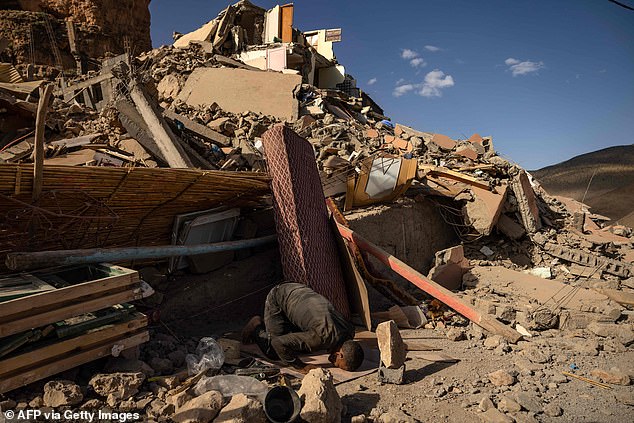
{"x":614,"y":376}
{"x":444,"y":142}
{"x":391,"y":345}
{"x":59,"y":393}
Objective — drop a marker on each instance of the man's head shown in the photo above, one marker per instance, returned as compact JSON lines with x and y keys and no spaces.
{"x":348,"y":357}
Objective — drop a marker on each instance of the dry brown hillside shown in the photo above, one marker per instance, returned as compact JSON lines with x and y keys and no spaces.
{"x":611,"y":191}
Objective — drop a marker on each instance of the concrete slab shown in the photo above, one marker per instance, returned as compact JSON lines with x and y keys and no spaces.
{"x":240,"y":90}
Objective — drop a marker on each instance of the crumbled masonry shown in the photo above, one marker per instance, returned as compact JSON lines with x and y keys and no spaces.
{"x":247,"y":138}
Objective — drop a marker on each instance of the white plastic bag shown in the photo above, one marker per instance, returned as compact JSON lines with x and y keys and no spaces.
{"x":209,"y":355}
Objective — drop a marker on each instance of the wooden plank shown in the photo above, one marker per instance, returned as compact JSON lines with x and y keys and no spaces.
{"x":34,"y":303}
{"x":38,"y":151}
{"x":21,"y":286}
{"x":452,"y":174}
{"x":61,"y":313}
{"x":63,"y":347}
{"x":74,"y":360}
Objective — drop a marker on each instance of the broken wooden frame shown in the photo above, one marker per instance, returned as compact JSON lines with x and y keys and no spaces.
{"x":20,"y":370}
{"x":106,"y":285}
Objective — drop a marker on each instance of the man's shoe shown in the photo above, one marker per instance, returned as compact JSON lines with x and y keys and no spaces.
{"x":248,"y":332}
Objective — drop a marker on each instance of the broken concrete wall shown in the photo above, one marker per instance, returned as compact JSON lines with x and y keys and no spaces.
{"x":239,"y":90}
{"x":411,"y":230}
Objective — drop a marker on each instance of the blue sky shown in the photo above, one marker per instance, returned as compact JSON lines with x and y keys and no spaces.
{"x":548,"y":79}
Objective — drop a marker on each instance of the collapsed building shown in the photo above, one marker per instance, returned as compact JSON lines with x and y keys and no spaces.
{"x":188,"y":162}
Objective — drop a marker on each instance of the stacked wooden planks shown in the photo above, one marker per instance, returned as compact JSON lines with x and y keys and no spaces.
{"x":100,"y":287}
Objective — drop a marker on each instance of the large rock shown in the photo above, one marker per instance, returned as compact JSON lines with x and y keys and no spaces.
{"x":242,"y":409}
{"x":501,"y":378}
{"x":610,"y":330}
{"x":391,"y":345}
{"x":320,"y":398}
{"x":202,"y":409}
{"x":508,"y":405}
{"x":117,"y":386}
{"x":614,"y":376}
{"x":62,"y":392}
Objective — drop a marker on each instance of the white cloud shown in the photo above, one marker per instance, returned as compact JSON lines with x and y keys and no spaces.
{"x":408,"y":54}
{"x":433,"y":49}
{"x":400,"y":81}
{"x":518,"y":67}
{"x":372,"y":81}
{"x":432,"y":86}
{"x":403,"y":89}
{"x":435,"y":81}
{"x":418,"y":62}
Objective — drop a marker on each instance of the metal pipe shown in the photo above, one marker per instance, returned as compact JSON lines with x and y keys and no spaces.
{"x":40,"y":259}
{"x":432,"y":288}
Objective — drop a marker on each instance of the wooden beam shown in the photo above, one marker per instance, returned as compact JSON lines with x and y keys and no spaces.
{"x":432,"y":288}
{"x":38,"y":150}
{"x":452,"y":174}
{"x":70,"y":361}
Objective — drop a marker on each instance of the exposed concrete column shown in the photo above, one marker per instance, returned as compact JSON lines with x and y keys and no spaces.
{"x":165,"y":140}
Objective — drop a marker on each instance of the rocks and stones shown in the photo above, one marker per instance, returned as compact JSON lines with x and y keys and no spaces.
{"x":159,"y":409}
{"x":609,"y":330}
{"x":485,"y":403}
{"x":117,"y":386}
{"x":613,"y":376}
{"x":391,"y":345}
{"x":162,"y":366}
{"x":528,"y":401}
{"x":58,"y":393}
{"x":242,"y":409}
{"x":395,"y":416}
{"x":501,"y":378}
{"x":493,"y":415}
{"x":553,"y":410}
{"x":508,"y":405}
{"x":202,"y":409}
{"x":456,"y":334}
{"x":320,"y":398}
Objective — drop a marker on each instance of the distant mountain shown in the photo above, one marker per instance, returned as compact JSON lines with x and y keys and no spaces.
{"x":611,"y":190}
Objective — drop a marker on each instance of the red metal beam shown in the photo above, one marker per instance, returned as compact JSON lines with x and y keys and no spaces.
{"x":432,"y":288}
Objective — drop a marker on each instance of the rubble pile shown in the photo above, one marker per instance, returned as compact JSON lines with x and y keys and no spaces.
{"x":538,"y":282}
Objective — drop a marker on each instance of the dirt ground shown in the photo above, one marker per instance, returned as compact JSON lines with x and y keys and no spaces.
{"x":452,"y":392}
